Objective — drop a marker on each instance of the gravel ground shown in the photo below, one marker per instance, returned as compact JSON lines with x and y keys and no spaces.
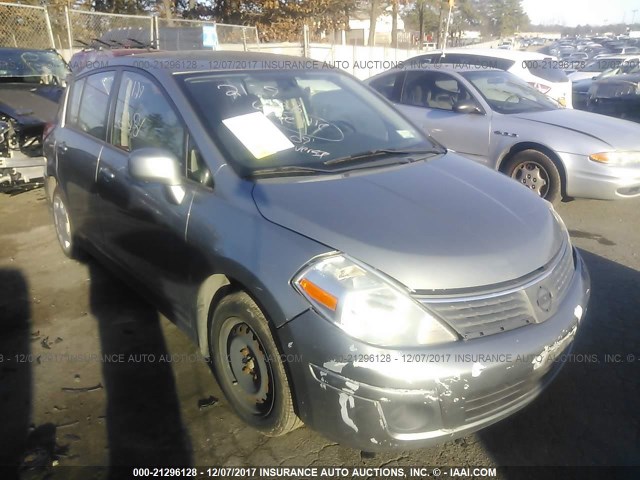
{"x":59,"y":401}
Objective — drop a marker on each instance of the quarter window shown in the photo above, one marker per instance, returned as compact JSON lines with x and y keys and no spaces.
{"x":144,"y":118}
{"x":73,"y":105}
{"x":94,"y":105}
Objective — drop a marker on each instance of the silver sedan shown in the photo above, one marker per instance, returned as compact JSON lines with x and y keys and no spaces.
{"x":493,"y":117}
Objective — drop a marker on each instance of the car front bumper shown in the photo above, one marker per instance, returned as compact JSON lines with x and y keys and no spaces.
{"x":588,"y":179}
{"x":376,"y":399}
{"x":21,"y":169}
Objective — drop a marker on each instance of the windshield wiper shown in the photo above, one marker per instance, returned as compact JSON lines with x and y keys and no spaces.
{"x":290,"y":170}
{"x":385,"y":151}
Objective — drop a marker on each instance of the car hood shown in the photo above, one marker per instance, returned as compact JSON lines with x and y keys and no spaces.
{"x":30,"y":104}
{"x":618,"y":134}
{"x":444,"y":224}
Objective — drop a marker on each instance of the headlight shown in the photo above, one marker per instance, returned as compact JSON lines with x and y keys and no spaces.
{"x":367,"y":305}
{"x":619,"y":159}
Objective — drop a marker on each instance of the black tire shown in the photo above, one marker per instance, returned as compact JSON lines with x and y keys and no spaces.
{"x":536,"y":171}
{"x":248,"y":366}
{"x":64,"y":225}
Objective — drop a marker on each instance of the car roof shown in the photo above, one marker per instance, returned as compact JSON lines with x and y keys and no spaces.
{"x":447,"y":67}
{"x":208,"y":60}
{"x":13,"y":49}
{"x":618,"y":57}
{"x":494,"y":52}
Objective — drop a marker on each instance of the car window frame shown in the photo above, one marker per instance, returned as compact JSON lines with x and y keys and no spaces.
{"x":187,"y":132}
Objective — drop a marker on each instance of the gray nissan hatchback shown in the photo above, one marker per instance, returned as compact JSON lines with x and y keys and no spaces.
{"x":338,"y":267}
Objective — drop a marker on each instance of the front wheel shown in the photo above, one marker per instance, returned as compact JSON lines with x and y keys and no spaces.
{"x":249,"y":367}
{"x":536,"y":171}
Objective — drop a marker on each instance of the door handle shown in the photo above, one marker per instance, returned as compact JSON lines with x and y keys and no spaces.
{"x":106,"y":174}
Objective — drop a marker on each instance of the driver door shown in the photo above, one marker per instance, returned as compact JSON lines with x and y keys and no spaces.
{"x":428,"y":98}
{"x":143,"y":225}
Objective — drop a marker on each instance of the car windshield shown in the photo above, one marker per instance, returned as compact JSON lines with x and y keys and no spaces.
{"x":546,"y":69}
{"x":278,"y":120}
{"x":506,"y":93}
{"x":32,"y":66}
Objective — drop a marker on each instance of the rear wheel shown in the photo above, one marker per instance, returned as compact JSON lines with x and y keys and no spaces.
{"x":63,"y":225}
{"x":536,"y":171}
{"x":249,"y":367}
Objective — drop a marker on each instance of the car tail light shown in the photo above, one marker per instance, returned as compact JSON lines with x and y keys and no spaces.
{"x":48,"y":128}
{"x":540,"y":87}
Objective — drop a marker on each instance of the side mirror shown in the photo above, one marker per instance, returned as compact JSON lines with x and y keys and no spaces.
{"x":466,"y":106}
{"x":156,"y":165}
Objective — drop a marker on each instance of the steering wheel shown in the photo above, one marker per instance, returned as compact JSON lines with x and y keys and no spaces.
{"x":345,"y":126}
{"x":513,"y":98}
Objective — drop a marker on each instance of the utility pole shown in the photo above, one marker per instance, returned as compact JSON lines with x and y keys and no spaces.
{"x":446,"y":30}
{"x":633,"y":16}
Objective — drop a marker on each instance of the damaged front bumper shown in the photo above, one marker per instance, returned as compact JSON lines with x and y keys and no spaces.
{"x":19,"y":169}
{"x":374,"y":398}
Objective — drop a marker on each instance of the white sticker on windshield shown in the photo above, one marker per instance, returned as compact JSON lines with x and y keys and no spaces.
{"x":406,"y":134}
{"x":256,"y":132}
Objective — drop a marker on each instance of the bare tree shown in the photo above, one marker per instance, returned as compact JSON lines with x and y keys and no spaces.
{"x":373,"y":19}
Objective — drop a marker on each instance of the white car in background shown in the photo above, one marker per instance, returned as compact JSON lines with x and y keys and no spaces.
{"x":543,"y":72}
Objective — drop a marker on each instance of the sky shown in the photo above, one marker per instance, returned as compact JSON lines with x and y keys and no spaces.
{"x":581,"y":12}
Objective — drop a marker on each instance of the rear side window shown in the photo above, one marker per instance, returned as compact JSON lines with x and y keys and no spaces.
{"x":547,"y":70}
{"x":94,"y":104}
{"x":73,"y":105}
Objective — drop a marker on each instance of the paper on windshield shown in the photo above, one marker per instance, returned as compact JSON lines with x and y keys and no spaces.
{"x":258,"y":134}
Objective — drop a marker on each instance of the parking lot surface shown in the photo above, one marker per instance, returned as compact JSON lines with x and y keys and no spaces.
{"x":91,"y":374}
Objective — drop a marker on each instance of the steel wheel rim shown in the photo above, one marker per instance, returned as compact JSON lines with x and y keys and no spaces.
{"x":533,"y":176}
{"x":247,"y":366}
{"x":62,"y":223}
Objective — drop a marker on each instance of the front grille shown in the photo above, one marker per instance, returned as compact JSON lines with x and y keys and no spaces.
{"x":483,"y":404}
{"x":476,"y":318}
{"x":479,"y":315}
{"x":561,"y":275}
{"x":486,"y":403}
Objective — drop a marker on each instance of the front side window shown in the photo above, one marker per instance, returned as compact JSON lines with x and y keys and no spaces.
{"x":433,"y":90}
{"x":145,"y":118}
{"x":273,"y":119}
{"x":506,"y":93}
{"x":94,"y":104}
{"x":386,"y":85}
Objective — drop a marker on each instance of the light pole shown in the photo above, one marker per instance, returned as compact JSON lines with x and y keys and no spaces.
{"x":633,"y":16}
{"x":446,"y":31}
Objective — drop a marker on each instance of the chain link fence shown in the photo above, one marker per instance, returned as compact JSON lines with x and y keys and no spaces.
{"x":108,"y":30}
{"x":25,"y":26}
{"x":178,"y":34}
